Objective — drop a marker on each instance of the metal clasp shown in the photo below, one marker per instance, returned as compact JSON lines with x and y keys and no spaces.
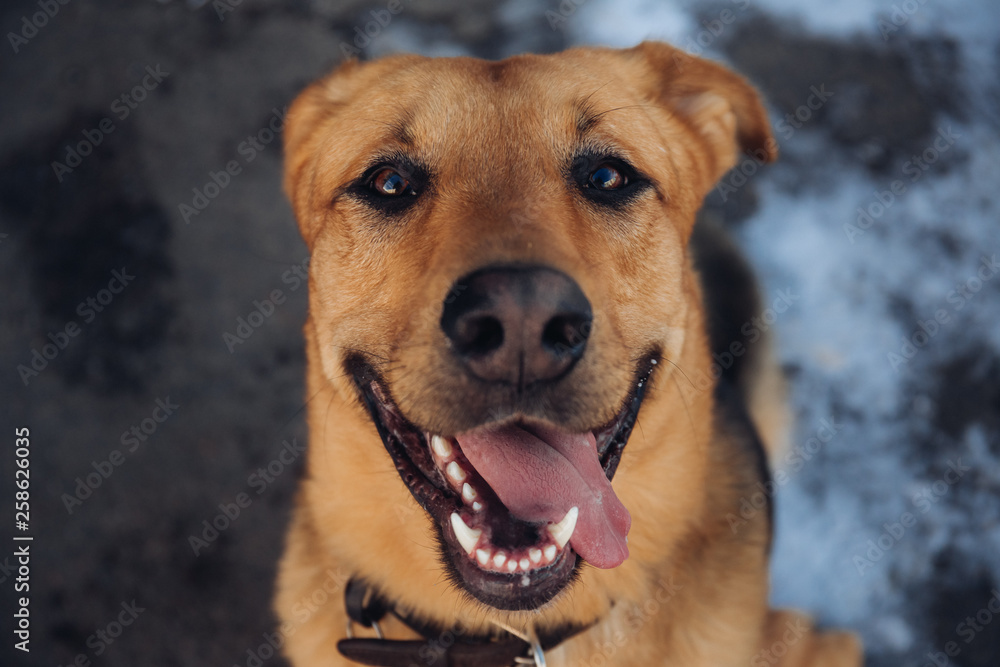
{"x":375,"y":626}
{"x":536,"y":656}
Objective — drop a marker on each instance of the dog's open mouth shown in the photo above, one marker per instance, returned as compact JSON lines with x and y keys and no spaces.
{"x":516,"y":503}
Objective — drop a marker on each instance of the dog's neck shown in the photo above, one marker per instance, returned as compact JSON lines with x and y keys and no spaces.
{"x":459,"y":647}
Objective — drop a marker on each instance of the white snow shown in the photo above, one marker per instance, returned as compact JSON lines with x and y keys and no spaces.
{"x":839,"y":334}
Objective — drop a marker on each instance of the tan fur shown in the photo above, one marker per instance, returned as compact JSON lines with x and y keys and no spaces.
{"x":497,"y":135}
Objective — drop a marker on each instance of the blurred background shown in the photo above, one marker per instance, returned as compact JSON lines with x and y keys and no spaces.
{"x":153,"y":297}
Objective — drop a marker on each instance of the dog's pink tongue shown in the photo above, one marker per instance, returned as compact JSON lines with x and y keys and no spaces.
{"x":539,"y":474}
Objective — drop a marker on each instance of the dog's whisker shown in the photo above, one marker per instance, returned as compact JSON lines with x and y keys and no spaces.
{"x":473,"y":436}
{"x":298,"y":412}
{"x":679,"y":370}
{"x":326,"y":421}
{"x":367,"y":354}
{"x":684,"y":402}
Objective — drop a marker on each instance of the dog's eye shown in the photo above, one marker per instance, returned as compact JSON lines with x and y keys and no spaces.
{"x":391,"y":186}
{"x":390,"y":183}
{"x":606,"y":177}
{"x":607,"y":180}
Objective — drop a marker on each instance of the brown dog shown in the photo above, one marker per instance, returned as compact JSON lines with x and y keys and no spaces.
{"x":506,"y":277}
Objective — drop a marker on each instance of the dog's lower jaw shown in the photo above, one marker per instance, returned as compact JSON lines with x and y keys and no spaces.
{"x":692,"y":592}
{"x":335,"y":537}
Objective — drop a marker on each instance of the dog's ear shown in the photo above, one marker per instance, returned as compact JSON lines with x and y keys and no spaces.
{"x":312,"y":109}
{"x":722,"y":108}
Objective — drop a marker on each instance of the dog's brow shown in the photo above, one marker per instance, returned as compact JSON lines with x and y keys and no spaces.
{"x":588,"y":116}
{"x":401,"y":130}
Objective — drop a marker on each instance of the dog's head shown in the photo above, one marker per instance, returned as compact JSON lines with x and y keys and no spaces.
{"x":499,"y":264}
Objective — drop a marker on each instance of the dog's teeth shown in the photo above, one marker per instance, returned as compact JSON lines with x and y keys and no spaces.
{"x":441,"y":446}
{"x":455,"y":472}
{"x":499,"y":559}
{"x":535,"y":555}
{"x":469,"y":493}
{"x":550,"y":553}
{"x":562,"y":531}
{"x":483,"y":556}
{"x":525,"y":564}
{"x":477,"y":506}
{"x":467,"y":537}
{"x":511,"y":565}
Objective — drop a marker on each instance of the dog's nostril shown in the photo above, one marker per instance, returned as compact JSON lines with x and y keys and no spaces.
{"x":566,"y":334}
{"x":517,"y":324}
{"x":477,"y":336}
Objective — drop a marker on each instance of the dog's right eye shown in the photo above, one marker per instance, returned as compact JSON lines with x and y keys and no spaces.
{"x":391,"y":186}
{"x":388,"y":182}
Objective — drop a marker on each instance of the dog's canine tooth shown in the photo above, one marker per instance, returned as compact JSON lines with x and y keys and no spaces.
{"x":441,"y":446}
{"x":483,"y":556}
{"x":469,"y":493}
{"x":562,"y":531}
{"x":499,"y":559}
{"x":455,"y":472}
{"x":467,"y":537}
{"x":550,"y":553}
{"x":535,"y":555}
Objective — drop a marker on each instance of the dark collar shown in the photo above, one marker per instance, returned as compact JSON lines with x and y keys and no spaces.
{"x":441,"y":646}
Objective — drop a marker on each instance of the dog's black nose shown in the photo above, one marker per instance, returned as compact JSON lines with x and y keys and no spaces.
{"x":517,"y":324}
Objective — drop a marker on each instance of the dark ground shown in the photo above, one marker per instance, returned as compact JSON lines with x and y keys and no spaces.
{"x":162,"y":336}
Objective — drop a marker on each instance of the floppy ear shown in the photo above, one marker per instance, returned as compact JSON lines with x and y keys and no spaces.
{"x":311,"y":110}
{"x":722,"y":108}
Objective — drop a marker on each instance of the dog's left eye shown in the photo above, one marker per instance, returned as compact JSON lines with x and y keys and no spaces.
{"x":607,"y":180}
{"x":390,"y":183}
{"x":606,"y":177}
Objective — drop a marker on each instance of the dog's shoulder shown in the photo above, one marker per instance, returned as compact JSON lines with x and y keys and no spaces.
{"x":731,"y":300}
